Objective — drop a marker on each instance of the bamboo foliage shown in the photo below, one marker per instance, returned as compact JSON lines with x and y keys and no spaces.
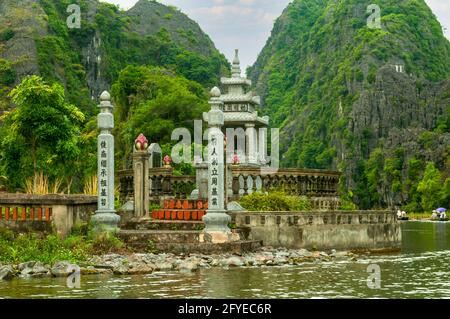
{"x":91,"y":186}
{"x":39,"y":185}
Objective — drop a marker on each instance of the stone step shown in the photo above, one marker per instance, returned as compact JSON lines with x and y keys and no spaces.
{"x":151,"y":224}
{"x":143,"y":238}
{"x":238,"y":247}
{"x":181,"y":241}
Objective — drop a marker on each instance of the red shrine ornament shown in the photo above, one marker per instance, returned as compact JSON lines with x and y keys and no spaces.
{"x":141,"y":143}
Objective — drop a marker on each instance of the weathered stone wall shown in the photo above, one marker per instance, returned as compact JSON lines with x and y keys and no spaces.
{"x":342,"y":230}
{"x":45,"y":213}
{"x":27,"y":226}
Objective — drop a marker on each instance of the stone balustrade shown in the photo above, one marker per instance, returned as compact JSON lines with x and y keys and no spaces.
{"x":162,"y":184}
{"x":45,"y":213}
{"x":321,"y":186}
{"x":302,"y":182}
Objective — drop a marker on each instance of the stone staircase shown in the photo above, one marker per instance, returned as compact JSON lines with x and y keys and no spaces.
{"x":177,"y":236}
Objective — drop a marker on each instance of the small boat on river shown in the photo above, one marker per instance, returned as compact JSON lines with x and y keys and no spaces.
{"x":439,"y":215}
{"x":401,"y":215}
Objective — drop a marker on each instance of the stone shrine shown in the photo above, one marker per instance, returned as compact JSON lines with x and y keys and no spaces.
{"x":248,"y":167}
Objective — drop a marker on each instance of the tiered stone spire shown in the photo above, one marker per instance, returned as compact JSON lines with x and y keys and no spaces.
{"x":236,"y":68}
{"x":240,"y":111}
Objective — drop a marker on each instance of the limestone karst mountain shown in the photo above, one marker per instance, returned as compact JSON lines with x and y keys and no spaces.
{"x":373,"y":102}
{"x":35,"y":39}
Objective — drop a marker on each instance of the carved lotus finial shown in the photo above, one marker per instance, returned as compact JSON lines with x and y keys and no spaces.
{"x":141,"y":143}
{"x":215,"y":92}
{"x":105,"y":96}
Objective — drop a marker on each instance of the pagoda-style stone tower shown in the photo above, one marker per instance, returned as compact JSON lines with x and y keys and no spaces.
{"x":240,"y":113}
{"x":246,"y":132}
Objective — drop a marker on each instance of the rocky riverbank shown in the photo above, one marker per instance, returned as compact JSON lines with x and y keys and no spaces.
{"x":138,"y":264}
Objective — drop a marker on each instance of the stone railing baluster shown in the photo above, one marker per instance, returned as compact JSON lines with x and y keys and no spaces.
{"x":249,"y":185}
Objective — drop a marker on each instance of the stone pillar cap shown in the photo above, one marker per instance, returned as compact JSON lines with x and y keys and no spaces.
{"x":105,"y":96}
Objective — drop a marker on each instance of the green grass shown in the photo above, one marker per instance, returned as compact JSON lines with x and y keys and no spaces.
{"x":418,"y":216}
{"x":17,"y":248}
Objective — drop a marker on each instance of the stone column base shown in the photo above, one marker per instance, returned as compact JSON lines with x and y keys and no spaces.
{"x":218,"y":237}
{"x":105,"y":222}
{"x":216,"y":221}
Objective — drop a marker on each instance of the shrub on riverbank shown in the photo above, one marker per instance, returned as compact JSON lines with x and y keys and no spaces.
{"x":17,"y":248}
{"x":275,"y":201}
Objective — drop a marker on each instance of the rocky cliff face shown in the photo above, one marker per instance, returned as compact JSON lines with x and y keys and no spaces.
{"x":35,"y":39}
{"x":148,"y":17}
{"x":373,"y":103}
{"x":25,"y":20}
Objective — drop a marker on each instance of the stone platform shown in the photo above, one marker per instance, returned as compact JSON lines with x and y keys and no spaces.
{"x":152,"y":224}
{"x":147,"y":235}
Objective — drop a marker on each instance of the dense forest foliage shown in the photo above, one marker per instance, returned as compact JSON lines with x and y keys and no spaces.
{"x":154,"y":101}
{"x":326,"y":78}
{"x":329,"y":81}
{"x":158,"y":80}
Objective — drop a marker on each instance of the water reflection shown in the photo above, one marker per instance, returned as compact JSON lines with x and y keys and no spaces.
{"x":420,"y":271}
{"x":425,"y":236}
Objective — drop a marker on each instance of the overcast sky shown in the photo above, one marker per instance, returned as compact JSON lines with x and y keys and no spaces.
{"x":246,"y":24}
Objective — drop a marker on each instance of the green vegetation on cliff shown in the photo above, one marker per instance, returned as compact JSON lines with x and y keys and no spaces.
{"x":109,"y":40}
{"x":330,"y":82}
{"x":76,"y":65}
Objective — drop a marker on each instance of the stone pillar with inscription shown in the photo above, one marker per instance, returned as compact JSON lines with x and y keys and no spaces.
{"x":105,"y":218}
{"x":216,"y":219}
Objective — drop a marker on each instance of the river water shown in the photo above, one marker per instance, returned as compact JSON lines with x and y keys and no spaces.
{"x":421,"y":270}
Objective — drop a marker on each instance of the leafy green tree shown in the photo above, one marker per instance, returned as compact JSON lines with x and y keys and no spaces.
{"x":445,"y":193}
{"x":373,"y":171}
{"x":7,"y":74}
{"x":430,"y":187}
{"x":42,"y":134}
{"x":154,"y":101}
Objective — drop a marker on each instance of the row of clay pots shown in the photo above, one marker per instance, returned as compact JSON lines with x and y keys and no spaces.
{"x":185,"y":204}
{"x":187,"y":215}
